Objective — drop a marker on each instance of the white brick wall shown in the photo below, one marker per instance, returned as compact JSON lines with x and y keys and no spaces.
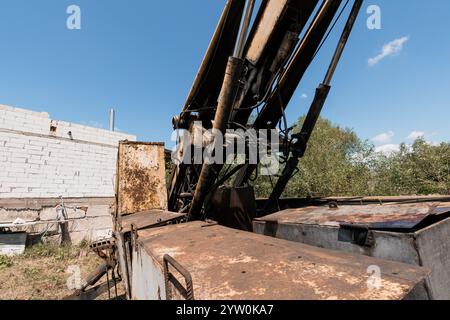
{"x":38,"y":163}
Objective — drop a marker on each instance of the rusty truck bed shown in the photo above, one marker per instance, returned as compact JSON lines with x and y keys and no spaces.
{"x":232,"y":265}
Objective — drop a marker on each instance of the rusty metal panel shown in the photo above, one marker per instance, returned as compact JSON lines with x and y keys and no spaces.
{"x":433,"y":247}
{"x":270,"y":18}
{"x":227,"y":264}
{"x":147,"y":219}
{"x":138,"y":221}
{"x":415,"y":234}
{"x":386,"y":216}
{"x":141,"y":178}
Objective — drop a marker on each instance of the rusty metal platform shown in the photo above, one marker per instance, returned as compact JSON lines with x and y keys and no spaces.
{"x":415,"y":234}
{"x":232,"y":265}
{"x":375,"y":216}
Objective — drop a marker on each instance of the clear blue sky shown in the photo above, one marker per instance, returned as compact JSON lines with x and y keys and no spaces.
{"x":141,"y":57}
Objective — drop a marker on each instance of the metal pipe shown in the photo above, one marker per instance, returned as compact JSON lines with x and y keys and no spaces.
{"x":239,"y":52}
{"x":313,"y":115}
{"x":226,"y":102}
{"x":343,"y":41}
{"x":303,"y":57}
{"x":112,"y":120}
{"x":207,"y":84}
{"x":295,"y":71}
{"x":299,"y":148}
{"x":323,"y":90}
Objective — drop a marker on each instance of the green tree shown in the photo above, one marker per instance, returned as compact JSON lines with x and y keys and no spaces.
{"x":420,"y":169}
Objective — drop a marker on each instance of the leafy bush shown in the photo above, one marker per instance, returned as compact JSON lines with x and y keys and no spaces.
{"x":339,"y":163}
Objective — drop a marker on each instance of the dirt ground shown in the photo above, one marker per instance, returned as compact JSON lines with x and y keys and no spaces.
{"x":43,"y":272}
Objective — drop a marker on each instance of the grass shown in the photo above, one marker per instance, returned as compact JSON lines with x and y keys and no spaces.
{"x":6,"y":262}
{"x":41,"y":273}
{"x":42,"y":251}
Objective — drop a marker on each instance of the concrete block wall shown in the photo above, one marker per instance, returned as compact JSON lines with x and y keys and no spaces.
{"x":44,"y":158}
{"x":89,"y":218}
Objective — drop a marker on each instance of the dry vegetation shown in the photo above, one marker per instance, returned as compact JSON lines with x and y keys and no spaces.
{"x":40,"y":273}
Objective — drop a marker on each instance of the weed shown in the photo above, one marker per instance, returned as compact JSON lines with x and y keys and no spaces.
{"x":32,"y":273}
{"x":6,"y":262}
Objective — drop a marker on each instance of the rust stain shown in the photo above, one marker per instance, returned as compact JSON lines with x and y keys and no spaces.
{"x":270,"y":18}
{"x":141,"y":178}
{"x":402,"y":216}
{"x":151,"y":218}
{"x":241,"y":265}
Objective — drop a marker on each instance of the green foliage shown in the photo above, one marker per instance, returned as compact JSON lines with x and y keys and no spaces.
{"x":339,"y":163}
{"x":32,"y":273}
{"x":51,"y":250}
{"x":6,"y":262}
{"x":421,"y":169}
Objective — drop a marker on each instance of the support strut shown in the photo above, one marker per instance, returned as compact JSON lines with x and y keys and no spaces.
{"x":299,"y":148}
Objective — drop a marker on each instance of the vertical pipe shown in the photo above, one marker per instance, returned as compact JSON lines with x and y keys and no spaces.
{"x":313,"y":114}
{"x":112,"y":120}
{"x":226,"y":102}
{"x":225,"y":107}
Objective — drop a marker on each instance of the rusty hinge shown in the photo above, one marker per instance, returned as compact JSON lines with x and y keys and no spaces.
{"x":188,"y":292}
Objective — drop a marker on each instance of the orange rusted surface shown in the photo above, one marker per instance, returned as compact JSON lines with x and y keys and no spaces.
{"x":141,"y":180}
{"x":386,"y":216}
{"x":233,"y":265}
{"x":148,"y":219}
{"x":270,"y":18}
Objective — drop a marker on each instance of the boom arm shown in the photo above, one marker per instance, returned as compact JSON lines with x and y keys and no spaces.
{"x":272,"y":52}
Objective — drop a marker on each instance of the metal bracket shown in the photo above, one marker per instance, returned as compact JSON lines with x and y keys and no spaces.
{"x":134,"y":236}
{"x":356,"y":234}
{"x":188,"y":292}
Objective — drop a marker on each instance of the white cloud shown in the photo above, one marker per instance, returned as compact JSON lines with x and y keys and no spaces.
{"x":392,"y":48}
{"x":433,"y":143}
{"x":304,"y":96}
{"x":413,"y":136}
{"x":416,"y":135}
{"x":388,"y":149}
{"x":384,"y":138}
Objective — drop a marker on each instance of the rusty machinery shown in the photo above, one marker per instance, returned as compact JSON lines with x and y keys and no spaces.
{"x":251,"y":70}
{"x":247,"y":79}
{"x":254,"y":63}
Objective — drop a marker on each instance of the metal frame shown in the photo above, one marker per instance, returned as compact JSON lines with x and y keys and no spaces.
{"x":188,"y":292}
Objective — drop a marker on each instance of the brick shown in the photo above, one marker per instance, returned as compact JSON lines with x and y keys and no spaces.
{"x":15,"y":145}
{"x":47,"y":166}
